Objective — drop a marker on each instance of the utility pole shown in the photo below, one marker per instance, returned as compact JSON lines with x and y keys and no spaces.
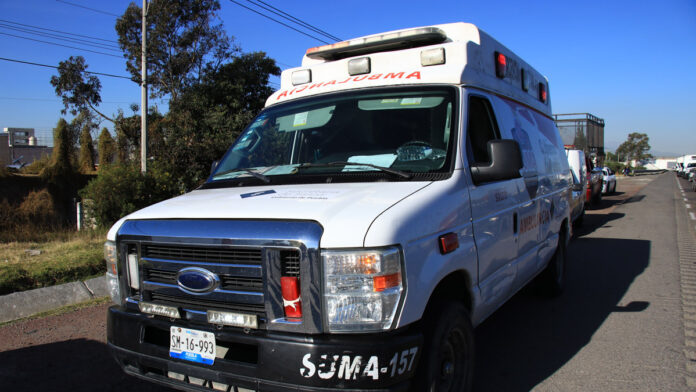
{"x":143,"y":95}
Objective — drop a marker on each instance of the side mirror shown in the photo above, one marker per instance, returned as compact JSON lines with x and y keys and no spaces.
{"x":506,"y":162}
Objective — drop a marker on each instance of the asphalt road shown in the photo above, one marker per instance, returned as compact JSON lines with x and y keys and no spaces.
{"x":620,"y":325}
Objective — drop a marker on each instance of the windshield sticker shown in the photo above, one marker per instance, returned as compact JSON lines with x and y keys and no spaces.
{"x":384,"y":160}
{"x":411,"y":101}
{"x":255,"y":194}
{"x":307,"y":194}
{"x":280,"y":170}
{"x":300,"y":119}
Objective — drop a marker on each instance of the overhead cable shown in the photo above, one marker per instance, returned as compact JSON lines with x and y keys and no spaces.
{"x":279,"y":22}
{"x":58,"y":31}
{"x":61,"y":38}
{"x":53,"y":66}
{"x":293,"y":19}
{"x":87,"y":8}
{"x":57,"y":44}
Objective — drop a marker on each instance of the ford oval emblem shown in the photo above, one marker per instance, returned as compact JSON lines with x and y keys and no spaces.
{"x":197,"y":280}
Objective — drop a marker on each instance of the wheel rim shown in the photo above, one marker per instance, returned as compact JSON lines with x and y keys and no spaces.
{"x":452,"y":362}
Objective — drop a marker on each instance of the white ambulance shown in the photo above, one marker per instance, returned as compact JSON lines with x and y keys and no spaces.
{"x":395,"y":192}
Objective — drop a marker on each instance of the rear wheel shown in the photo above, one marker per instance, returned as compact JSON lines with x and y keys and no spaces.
{"x":553,"y":278}
{"x":580,"y":219}
{"x":447,"y":363}
{"x":597,"y":199}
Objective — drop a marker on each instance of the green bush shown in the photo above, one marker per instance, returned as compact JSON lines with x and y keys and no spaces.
{"x":617,"y":167}
{"x":121,"y":189}
{"x":37,"y":166}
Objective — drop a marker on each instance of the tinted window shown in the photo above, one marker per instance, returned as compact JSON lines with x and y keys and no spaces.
{"x":481,"y":127}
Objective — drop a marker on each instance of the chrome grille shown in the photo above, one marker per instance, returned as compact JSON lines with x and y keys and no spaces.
{"x":290,"y":263}
{"x":227,"y":282}
{"x":240,"y":271}
{"x":195,"y":303}
{"x":202,"y":254}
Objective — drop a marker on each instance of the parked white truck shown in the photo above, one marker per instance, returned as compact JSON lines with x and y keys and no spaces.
{"x":395,"y":192}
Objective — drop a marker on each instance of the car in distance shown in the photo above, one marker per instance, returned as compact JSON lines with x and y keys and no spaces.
{"x":609,"y":180}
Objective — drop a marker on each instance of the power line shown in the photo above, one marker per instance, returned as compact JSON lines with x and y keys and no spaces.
{"x":53,"y":66}
{"x":57,"y":31}
{"x":53,"y":100}
{"x":293,"y":19}
{"x":57,"y":44}
{"x":87,"y":8}
{"x":61,"y":38}
{"x":279,"y":22}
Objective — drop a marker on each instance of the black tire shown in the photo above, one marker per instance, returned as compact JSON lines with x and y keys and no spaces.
{"x":613,"y":189}
{"x":597,"y":199}
{"x":579,"y":220}
{"x":447,"y":363}
{"x":552,"y":279}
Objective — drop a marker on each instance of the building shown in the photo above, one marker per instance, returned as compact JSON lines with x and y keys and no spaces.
{"x":18,"y":146}
{"x":20,"y":136}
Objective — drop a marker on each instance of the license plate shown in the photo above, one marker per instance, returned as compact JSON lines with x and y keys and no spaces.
{"x":192,"y":345}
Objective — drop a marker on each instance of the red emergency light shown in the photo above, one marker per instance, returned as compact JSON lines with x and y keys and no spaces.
{"x":543,"y":95}
{"x":500,"y":65}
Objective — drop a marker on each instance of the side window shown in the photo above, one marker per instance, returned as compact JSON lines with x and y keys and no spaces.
{"x":481,"y":128}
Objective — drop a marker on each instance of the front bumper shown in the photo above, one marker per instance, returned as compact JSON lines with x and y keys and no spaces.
{"x":264,"y":360}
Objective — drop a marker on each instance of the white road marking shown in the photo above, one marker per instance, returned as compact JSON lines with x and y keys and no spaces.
{"x":693,"y":216}
{"x":688,"y":206}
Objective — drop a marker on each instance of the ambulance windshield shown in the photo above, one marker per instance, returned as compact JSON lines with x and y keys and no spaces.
{"x":356,"y":136}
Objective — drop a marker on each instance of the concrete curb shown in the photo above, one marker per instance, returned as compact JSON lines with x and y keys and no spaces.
{"x":27,"y":303}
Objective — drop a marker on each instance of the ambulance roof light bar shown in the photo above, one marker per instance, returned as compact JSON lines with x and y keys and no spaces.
{"x":378,"y":43}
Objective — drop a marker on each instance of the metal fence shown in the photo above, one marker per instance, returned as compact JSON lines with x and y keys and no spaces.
{"x":582,"y":131}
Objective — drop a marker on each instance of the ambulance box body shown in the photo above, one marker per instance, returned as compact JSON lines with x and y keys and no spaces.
{"x":396,"y":190}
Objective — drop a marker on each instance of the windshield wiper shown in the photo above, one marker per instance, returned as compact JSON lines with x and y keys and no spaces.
{"x":260,"y":176}
{"x":395,"y":172}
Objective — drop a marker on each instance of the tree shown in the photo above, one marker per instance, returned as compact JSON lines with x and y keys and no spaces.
{"x":106,"y":148}
{"x":79,"y":90}
{"x":63,"y":150}
{"x":636,"y":147}
{"x":183,"y":43}
{"x":209,"y":116}
{"x":86,"y":161}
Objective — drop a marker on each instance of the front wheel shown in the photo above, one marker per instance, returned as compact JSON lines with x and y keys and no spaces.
{"x":447,"y":363}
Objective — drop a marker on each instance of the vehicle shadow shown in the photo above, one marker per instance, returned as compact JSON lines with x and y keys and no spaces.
{"x":74,"y":365}
{"x":591,"y":222}
{"x":530,"y":338}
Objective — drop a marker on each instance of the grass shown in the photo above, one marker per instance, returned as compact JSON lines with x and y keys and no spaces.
{"x":63,"y":257}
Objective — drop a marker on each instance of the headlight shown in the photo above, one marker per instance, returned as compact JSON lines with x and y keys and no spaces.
{"x":111,"y":258}
{"x":362,"y":288}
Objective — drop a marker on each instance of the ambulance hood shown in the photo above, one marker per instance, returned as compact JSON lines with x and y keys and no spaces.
{"x":345,"y":211}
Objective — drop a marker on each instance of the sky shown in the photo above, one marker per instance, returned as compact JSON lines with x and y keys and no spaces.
{"x":631,"y":63}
